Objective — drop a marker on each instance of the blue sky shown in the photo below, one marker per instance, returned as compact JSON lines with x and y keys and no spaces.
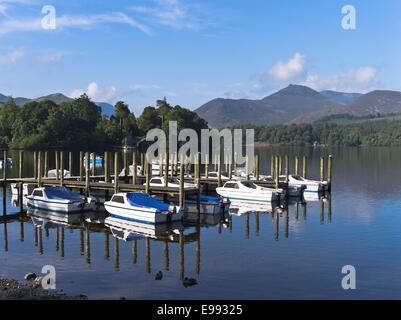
{"x":192,"y":51}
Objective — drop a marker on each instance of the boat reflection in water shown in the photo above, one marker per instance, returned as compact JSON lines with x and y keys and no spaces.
{"x":132,"y":230}
{"x":240,"y":208}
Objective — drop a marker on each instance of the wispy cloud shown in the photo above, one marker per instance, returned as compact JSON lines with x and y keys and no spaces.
{"x":71,"y":21}
{"x":174,"y":14}
{"x":11,"y":57}
{"x":49,"y":57}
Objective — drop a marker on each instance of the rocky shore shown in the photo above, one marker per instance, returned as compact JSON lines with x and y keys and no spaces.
{"x":31,"y":289}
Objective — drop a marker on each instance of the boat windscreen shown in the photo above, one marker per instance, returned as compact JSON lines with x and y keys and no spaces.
{"x":249,"y":184}
{"x":297,"y":178}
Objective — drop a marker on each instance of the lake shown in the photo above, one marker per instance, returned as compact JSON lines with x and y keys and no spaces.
{"x":246,"y":256}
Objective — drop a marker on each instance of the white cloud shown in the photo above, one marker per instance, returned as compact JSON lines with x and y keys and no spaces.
{"x":292,"y":69}
{"x":71,"y":21}
{"x":11,"y":57}
{"x":361,"y":80}
{"x":96,"y":93}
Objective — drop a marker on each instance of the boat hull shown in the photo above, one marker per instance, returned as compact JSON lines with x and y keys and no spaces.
{"x":143,"y":215}
{"x":60,"y":206}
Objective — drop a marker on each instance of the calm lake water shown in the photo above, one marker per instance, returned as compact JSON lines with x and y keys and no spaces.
{"x":246,"y":256}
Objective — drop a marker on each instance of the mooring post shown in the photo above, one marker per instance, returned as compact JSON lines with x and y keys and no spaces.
{"x":181,"y":191}
{"x":197,"y":176}
{"x":161,"y":164}
{"x":115,"y":172}
{"x":70,"y":163}
{"x":247,"y":167}
{"x":106,"y":167}
{"x":57,"y":166}
{"x":80,"y":166}
{"x":218,"y":171}
{"x":296,"y":165}
{"x":257,"y":167}
{"x":329,"y":161}
{"x":280,"y":167}
{"x":5,"y":166}
{"x":40,"y":169}
{"x":62,"y":168}
{"x":207,"y":166}
{"x":46,"y":164}
{"x":277,"y":173}
{"x":134,"y":168}
{"x":142,"y":163}
{"x":235,"y":163}
{"x":272,"y":167}
{"x":87,"y":178}
{"x":35,"y":165}
{"x":4,"y":185}
{"x":126,"y":169}
{"x":304,"y":167}
{"x":147,"y":173}
{"x":93,"y":163}
{"x":286,"y":169}
{"x":166,"y":174}
{"x":321,"y":168}
{"x":230,"y":171}
{"x":20,"y":185}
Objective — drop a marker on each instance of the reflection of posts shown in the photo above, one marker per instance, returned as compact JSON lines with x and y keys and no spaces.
{"x":257,"y":223}
{"x":81,"y":242}
{"x":116,"y":254}
{"x":276,"y":226}
{"x":287,"y":220}
{"x":304,"y":211}
{"x":40,"y":240}
{"x":21,"y":231}
{"x":88,"y":248}
{"x":198,"y":249}
{"x":181,"y":243}
{"x":166,"y":256}
{"x":296,"y":211}
{"x":57,"y":238}
{"x":106,"y":246}
{"x":147,"y":255}
{"x":62,"y":243}
{"x":321,"y":210}
{"x":329,"y":206}
{"x":247,"y":225}
{"x":134,"y":252}
{"x":5,"y":237}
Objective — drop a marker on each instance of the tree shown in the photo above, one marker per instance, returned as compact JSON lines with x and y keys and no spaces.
{"x":149,"y":119}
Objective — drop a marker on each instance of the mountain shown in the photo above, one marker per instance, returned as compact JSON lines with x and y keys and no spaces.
{"x":341,"y":97}
{"x":378,"y":101}
{"x":278,"y":108}
{"x":58,"y":98}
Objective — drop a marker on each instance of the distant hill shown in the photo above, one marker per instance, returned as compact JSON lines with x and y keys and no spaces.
{"x":341,"y":97}
{"x":58,"y":98}
{"x":278,"y":108}
{"x":378,"y":101}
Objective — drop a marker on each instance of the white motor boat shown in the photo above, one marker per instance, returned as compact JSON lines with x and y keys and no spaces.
{"x":59,"y":199}
{"x":52,"y":173}
{"x":140,"y":207}
{"x":27,"y":189}
{"x":311,"y":185}
{"x":139,"y":171}
{"x":248,"y":191}
{"x":132,"y":230}
{"x":292,"y":190}
{"x":172,"y":182}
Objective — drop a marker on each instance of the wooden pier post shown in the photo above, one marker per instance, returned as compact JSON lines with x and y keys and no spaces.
{"x":321,"y":168}
{"x":4,"y":184}
{"x":207,"y":166}
{"x":20,"y":185}
{"x":296,"y":165}
{"x":272,"y":167}
{"x":230,"y":171}
{"x":134,"y":168}
{"x":216,"y":160}
{"x":235,"y":163}
{"x":106,"y":167}
{"x":57,"y":166}
{"x":35,"y":165}
{"x":126,"y":169}
{"x":247,"y":167}
{"x":197,"y":171}
{"x":46,"y":164}
{"x":286,"y":169}
{"x":93,"y":163}
{"x":256,"y":169}
{"x":329,"y":161}
{"x":87,"y":178}
{"x":70,"y":163}
{"x":116,"y":172}
{"x":181,"y":191}
{"x":304,"y":167}
{"x":40,"y":169}
{"x":218,"y":171}
{"x":80,"y":166}
{"x":5,"y":166}
{"x":61,"y":168}
{"x":166,"y":169}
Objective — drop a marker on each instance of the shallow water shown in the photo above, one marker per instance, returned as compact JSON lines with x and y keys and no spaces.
{"x":246,"y":256}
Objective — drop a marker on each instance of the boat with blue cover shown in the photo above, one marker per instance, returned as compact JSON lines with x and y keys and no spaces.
{"x":59,"y":199}
{"x":138,"y":206}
